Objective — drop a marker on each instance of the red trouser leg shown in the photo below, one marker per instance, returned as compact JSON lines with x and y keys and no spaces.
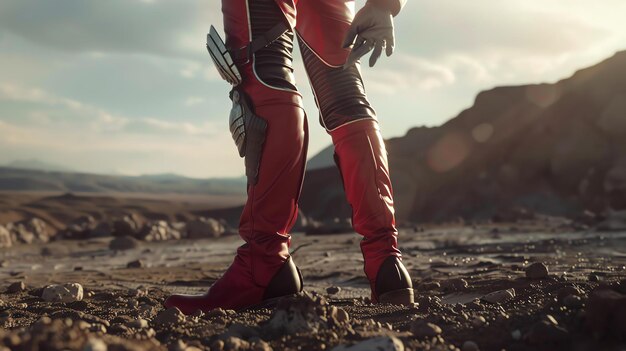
{"x":272,"y":205}
{"x":362,"y":159}
{"x":360,"y":153}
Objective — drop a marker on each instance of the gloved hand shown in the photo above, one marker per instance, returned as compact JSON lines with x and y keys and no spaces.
{"x":372,"y":28}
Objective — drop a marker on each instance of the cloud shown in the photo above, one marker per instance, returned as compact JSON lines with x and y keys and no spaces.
{"x":63,"y":111}
{"x":170,"y":28}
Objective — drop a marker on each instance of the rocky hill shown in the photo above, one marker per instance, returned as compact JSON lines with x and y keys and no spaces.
{"x":557,"y":149}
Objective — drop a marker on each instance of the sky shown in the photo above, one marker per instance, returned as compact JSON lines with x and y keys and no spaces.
{"x":127,"y":87}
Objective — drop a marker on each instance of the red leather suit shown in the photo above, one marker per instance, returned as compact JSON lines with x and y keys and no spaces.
{"x":272,"y":205}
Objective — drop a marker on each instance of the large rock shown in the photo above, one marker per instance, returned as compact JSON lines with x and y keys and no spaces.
{"x":301,"y":314}
{"x":33,"y":230}
{"x":159,"y":231}
{"x":204,"y":228}
{"x":5,"y":237}
{"x":129,"y":225}
{"x":69,"y":292}
{"x":80,"y":228}
{"x":500,"y":296}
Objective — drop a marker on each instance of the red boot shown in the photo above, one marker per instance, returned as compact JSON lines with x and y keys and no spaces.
{"x":237,"y":288}
{"x":263,"y":269}
{"x":361,"y":157}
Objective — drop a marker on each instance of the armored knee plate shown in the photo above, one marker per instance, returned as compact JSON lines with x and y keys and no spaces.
{"x":248,"y":131}
{"x":339,"y":93}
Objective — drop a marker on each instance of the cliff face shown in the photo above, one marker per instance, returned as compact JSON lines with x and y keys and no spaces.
{"x":551,"y":148}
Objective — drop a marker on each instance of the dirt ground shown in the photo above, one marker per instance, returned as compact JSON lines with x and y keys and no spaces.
{"x":452,"y":268}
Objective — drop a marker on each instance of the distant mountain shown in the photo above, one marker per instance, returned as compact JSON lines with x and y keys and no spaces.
{"x":34,"y":164}
{"x":16,"y":179}
{"x":322,"y":159}
{"x":556,"y":149}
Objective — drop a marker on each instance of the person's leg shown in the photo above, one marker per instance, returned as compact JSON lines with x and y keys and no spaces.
{"x":360,"y":153}
{"x":263,"y":268}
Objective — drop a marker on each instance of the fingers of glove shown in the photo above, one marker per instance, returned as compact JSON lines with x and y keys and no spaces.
{"x":350,"y":36}
{"x":358,"y":52}
{"x":378,"y":49}
{"x":391,"y":43}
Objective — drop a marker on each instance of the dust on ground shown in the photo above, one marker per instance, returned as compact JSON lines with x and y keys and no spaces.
{"x":578,"y":305}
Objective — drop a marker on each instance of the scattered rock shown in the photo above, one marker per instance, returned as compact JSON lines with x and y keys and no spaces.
{"x":80,"y":228}
{"x":333,"y":290}
{"x":159,"y":231}
{"x":170,"y":316}
{"x":593,"y":277}
{"x":382,"y":343}
{"x":129,"y":225}
{"x":30,"y":231}
{"x":478,"y":321}
{"x":69,"y":292}
{"x":297,"y":314}
{"x":572,"y":301}
{"x":339,"y":315}
{"x":261,"y":346}
{"x":455,"y":284}
{"x":422,"y":329}
{"x":135,"y":264}
{"x":124,"y":243}
{"x":537,"y":270}
{"x":5,"y":237}
{"x":233,"y":343}
{"x":138,"y":324}
{"x":94,"y":344}
{"x":470,"y":346}
{"x":499,"y":296}
{"x":204,"y":228}
{"x":16,"y":287}
{"x":567,"y":291}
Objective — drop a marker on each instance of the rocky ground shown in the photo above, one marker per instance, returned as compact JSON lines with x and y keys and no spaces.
{"x":534,"y":285}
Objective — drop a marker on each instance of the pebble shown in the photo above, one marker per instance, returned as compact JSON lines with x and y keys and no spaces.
{"x":339,"y":315}
{"x":567,"y":291}
{"x":421,"y":329}
{"x":94,"y":344}
{"x":470,"y":346}
{"x":455,"y":284}
{"x":138,"y":324}
{"x":135,"y":264}
{"x":235,"y":344}
{"x":516,"y":334}
{"x":572,"y":301}
{"x":499,"y":296}
{"x":170,"y":316}
{"x":537,"y":270}
{"x":16,"y":287}
{"x":593,"y":277}
{"x":261,"y":346}
{"x":217,"y":345}
{"x":333,"y":290}
{"x":382,"y":343}
{"x":69,"y":292}
{"x":478,"y":321}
